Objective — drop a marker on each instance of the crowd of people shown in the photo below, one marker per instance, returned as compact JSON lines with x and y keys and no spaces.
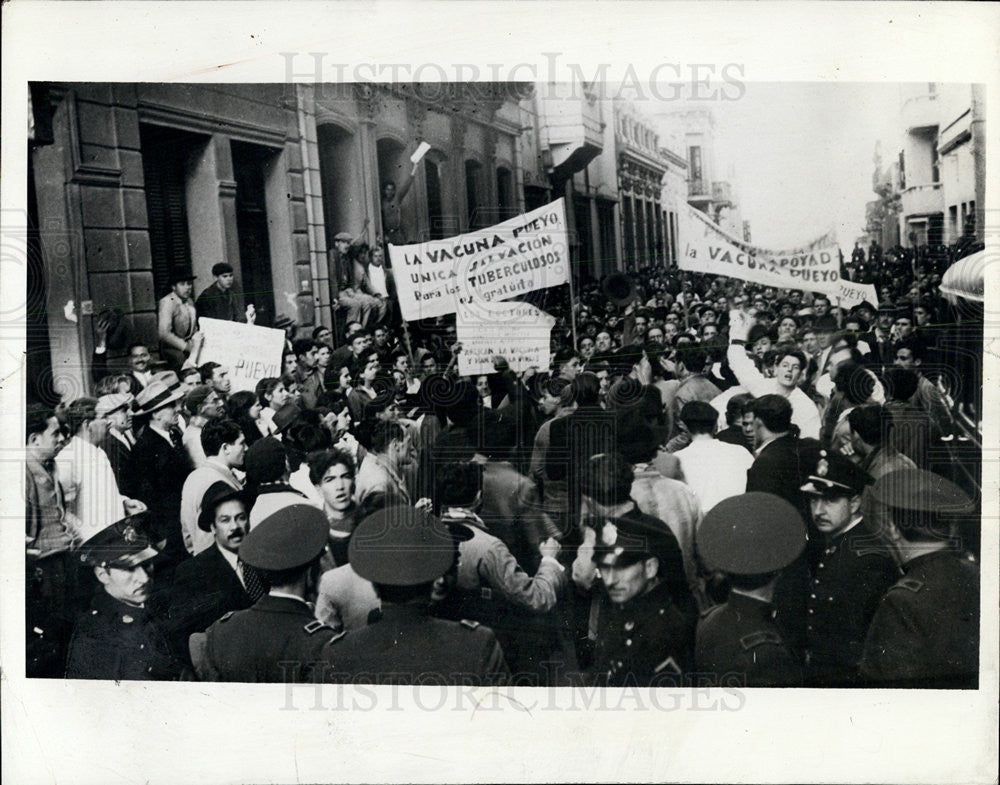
{"x":714,"y":483}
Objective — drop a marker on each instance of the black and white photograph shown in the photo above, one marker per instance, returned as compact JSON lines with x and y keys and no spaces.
{"x":604,"y":401}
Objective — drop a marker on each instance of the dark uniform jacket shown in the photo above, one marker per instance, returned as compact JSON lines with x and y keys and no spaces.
{"x":277,"y":640}
{"x":121,"y":642}
{"x":407,"y":646}
{"x":853,"y":574}
{"x":204,"y":589}
{"x":161,"y":470}
{"x":645,"y":642}
{"x":740,"y":640}
{"x":926,"y":631}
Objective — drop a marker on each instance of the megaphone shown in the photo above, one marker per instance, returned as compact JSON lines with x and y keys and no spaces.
{"x":619,"y":288}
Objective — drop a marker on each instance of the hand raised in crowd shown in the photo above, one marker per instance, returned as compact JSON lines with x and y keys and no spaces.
{"x":424,"y":505}
{"x":740,"y":323}
{"x":101,"y":326}
{"x":550,"y":548}
{"x":251,"y":314}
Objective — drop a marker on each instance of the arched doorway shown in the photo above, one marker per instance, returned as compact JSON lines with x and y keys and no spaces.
{"x":342,"y":191}
{"x":399,"y":217}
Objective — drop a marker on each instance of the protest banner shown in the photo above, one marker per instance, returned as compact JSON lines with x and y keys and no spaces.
{"x":707,"y":249}
{"x":251,"y":353}
{"x":518,"y":332}
{"x":847,"y":294}
{"x":520,"y":255}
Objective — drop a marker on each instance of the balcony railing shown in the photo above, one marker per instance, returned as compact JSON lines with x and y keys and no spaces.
{"x":922,"y":199}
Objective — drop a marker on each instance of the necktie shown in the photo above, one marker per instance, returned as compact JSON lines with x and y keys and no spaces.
{"x":251,"y":580}
{"x":175,"y":437}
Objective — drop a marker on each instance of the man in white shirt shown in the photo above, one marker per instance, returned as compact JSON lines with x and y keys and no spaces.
{"x":225,"y":448}
{"x":712,"y":469}
{"x":90,"y":490}
{"x":788,"y":371}
{"x":138,"y":360}
{"x":202,"y":405}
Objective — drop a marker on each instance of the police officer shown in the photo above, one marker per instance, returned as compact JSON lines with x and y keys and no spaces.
{"x":410,"y":558}
{"x":926,"y":630}
{"x":750,"y":537}
{"x":118,"y":638}
{"x":854,"y":571}
{"x":641,"y":637}
{"x":277,"y":639}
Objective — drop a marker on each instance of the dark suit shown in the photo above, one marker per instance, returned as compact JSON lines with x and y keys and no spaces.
{"x":120,"y":457}
{"x":779,"y":469}
{"x":205,"y":589}
{"x":160,"y":470}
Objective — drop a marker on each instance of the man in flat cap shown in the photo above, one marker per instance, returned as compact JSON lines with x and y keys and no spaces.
{"x":357,"y":305}
{"x":177,"y":320}
{"x":925,"y":632}
{"x":220,"y":300}
{"x":410,"y":557}
{"x":751,"y":538}
{"x":854,"y":571}
{"x":119,"y":638}
{"x":278,"y":639}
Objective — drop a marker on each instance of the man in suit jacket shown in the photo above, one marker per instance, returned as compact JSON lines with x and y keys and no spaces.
{"x":215,"y":581}
{"x":161,"y":465}
{"x":778,"y":468}
{"x":221,"y":300}
{"x":118,"y":440}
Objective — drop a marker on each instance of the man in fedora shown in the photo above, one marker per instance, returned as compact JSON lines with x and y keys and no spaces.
{"x":119,"y":637}
{"x":215,"y":581}
{"x":161,"y":464}
{"x":409,"y":556}
{"x":177,"y":320}
{"x":278,"y":639}
{"x":119,"y":439}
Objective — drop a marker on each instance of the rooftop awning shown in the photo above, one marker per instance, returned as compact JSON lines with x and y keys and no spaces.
{"x":965,"y":277}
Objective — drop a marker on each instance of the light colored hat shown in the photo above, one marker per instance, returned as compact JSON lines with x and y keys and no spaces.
{"x":156,"y":395}
{"x":107,"y":404}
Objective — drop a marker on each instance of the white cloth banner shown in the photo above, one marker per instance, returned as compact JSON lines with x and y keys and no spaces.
{"x":847,"y":294}
{"x":251,"y":353}
{"x":707,"y":249}
{"x":520,"y":255}
{"x":518,"y":332}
